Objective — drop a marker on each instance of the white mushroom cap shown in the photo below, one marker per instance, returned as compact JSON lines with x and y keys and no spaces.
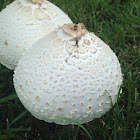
{"x":22,"y":23}
{"x":63,"y":76}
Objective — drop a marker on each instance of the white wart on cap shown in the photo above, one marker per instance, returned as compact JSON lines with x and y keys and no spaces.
{"x":22,"y":23}
{"x":70,"y":73}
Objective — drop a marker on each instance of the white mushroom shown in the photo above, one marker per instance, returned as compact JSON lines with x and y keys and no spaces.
{"x":22,"y":23}
{"x":70,"y":73}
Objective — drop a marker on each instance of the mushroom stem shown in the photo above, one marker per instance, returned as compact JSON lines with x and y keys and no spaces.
{"x":37,"y":1}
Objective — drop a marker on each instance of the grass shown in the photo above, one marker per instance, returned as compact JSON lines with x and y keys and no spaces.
{"x":117,"y":22}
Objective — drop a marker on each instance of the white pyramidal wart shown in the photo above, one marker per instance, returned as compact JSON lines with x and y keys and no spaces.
{"x":22,"y":23}
{"x":70,"y":73}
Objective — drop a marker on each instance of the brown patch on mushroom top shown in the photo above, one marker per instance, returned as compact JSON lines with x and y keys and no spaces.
{"x":60,"y":108}
{"x":75,"y":30}
{"x":37,"y":98}
{"x":38,"y":1}
{"x":6,"y":42}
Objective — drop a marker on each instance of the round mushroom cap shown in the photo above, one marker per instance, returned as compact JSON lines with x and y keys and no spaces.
{"x":24,"y":22}
{"x":69,"y":74}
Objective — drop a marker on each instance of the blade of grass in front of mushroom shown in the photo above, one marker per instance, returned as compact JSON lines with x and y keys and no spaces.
{"x":109,"y":97}
{"x":75,"y":122}
{"x":120,"y":96}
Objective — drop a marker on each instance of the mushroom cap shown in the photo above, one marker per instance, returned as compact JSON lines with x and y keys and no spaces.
{"x":62,"y":78}
{"x":22,"y":23}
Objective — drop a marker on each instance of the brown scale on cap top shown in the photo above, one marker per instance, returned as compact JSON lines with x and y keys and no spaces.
{"x":38,"y":1}
{"x":75,"y":30}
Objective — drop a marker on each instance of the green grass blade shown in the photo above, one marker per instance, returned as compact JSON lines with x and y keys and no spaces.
{"x":20,"y":129}
{"x":75,"y":122}
{"x":6,"y":99}
{"x":18,"y":117}
{"x":136,"y":131}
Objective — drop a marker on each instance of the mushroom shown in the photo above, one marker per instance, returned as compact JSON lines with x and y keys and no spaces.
{"x":24,"y":22}
{"x":69,"y":73}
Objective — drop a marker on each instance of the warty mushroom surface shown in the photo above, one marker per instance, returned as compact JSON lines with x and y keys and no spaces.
{"x":70,"y":73}
{"x":22,"y":23}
